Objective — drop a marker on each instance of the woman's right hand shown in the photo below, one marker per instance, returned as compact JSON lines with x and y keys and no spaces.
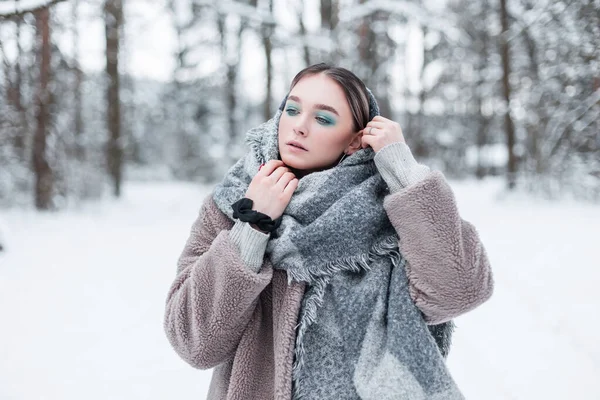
{"x":271,"y":189}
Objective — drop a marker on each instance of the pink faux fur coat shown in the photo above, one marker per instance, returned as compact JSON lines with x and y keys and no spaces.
{"x":219,"y":314}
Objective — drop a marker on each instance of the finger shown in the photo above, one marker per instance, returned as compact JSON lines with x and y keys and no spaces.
{"x":285,"y":179}
{"x":291,"y":186}
{"x":375,"y":124}
{"x":278,"y":173}
{"x":269,"y":167}
{"x":364,"y":142}
{"x":379,"y":118}
{"x":372,"y":131}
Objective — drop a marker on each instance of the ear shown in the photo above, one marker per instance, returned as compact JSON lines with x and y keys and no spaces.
{"x":355,"y":144}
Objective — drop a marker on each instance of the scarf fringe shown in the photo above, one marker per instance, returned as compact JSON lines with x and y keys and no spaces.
{"x":313,"y":300}
{"x":356,"y":264}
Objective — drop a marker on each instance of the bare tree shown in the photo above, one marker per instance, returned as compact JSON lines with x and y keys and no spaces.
{"x":78,"y":111}
{"x":329,"y":10}
{"x":267,"y":32}
{"x":373,"y":51}
{"x":506,"y":89}
{"x":305,"y":48}
{"x":366,"y":45}
{"x":231,"y":67}
{"x":113,"y":19}
{"x":14,"y":92}
{"x":329,"y":14}
{"x":43,"y":173}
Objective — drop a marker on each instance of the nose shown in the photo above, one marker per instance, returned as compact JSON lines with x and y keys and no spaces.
{"x":299,"y":131}
{"x":301,"y":126}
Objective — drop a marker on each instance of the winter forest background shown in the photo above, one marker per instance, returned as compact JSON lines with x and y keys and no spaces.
{"x":120,"y":115}
{"x":93,"y":92}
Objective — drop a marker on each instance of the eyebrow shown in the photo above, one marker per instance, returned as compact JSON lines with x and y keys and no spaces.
{"x":318,"y":106}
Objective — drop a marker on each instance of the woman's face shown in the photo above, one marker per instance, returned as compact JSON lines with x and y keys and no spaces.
{"x":318,"y":117}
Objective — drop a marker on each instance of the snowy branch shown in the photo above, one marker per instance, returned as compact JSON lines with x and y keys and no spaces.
{"x":407,"y":9}
{"x":570,"y":118}
{"x":283,"y":37}
{"x":16,"y":9}
{"x":256,"y":14}
{"x":526,"y":20}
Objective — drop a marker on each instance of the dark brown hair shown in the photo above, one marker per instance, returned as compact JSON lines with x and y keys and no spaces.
{"x":354,"y":89}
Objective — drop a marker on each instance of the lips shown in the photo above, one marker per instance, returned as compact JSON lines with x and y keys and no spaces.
{"x":294,"y":143}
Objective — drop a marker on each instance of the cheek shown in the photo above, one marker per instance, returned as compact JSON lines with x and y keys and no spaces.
{"x":283,"y":120}
{"x":284,"y":126}
{"x":331,"y":138}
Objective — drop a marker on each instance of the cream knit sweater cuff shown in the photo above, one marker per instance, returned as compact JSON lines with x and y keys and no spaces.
{"x":398,"y":167}
{"x":251,"y":243}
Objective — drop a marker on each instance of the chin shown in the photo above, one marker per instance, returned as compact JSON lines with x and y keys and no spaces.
{"x":302,"y":163}
{"x":291,"y":161}
{"x":295,"y":164}
{"x":303,"y":168}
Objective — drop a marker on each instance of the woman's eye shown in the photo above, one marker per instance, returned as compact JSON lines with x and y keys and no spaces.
{"x":291,"y":111}
{"x":324,"y":121}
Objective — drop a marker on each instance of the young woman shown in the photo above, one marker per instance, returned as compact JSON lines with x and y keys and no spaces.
{"x":347,"y":286}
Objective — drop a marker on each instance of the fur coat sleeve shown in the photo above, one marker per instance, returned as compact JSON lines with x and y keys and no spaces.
{"x":447,"y":266}
{"x":214,"y":293}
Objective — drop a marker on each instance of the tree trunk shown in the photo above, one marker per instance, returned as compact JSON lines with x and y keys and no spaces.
{"x":113,"y":17}
{"x":180,"y":134}
{"x":267,"y":31}
{"x":43,"y":173}
{"x":305,"y":48}
{"x":78,"y":113}
{"x":366,"y":45}
{"x":367,"y":54}
{"x":366,"y":48}
{"x":269,"y":95}
{"x":482,"y":46}
{"x":534,"y":131}
{"x":481,"y":140}
{"x":329,"y":15}
{"x":508,"y":122}
{"x":15,"y":91}
{"x":231,"y":67}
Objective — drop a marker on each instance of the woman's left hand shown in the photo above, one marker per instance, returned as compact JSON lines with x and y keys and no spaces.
{"x":380,"y":132}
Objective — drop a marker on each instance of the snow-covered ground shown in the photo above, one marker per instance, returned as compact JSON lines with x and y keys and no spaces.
{"x":82,"y":298}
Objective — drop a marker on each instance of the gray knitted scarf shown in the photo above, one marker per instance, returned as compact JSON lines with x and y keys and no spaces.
{"x":359,"y":336}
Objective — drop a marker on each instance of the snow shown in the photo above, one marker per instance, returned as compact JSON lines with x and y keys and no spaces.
{"x":3,"y":236}
{"x":491,"y":154}
{"x":82,"y":299}
{"x":9,"y":7}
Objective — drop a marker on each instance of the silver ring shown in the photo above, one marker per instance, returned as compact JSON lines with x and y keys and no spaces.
{"x":370,"y":129}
